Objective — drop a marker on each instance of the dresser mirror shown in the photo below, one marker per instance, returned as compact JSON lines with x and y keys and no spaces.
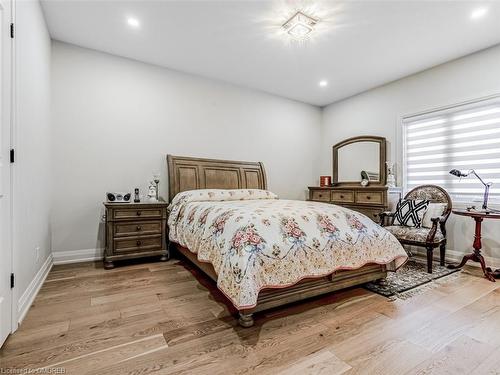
{"x":359,"y":158}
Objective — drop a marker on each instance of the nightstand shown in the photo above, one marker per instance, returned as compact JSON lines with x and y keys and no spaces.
{"x":135,"y":230}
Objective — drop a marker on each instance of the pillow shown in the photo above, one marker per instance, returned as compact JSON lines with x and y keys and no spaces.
{"x":409,"y":212}
{"x":433,"y":210}
{"x":204,"y":195}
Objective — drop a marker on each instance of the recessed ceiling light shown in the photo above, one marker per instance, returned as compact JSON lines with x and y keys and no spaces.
{"x":323,"y":83}
{"x":300,"y":25}
{"x":133,"y":22}
{"x":478,"y":13}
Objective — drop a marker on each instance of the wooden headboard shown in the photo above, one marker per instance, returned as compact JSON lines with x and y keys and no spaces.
{"x":186,"y":173}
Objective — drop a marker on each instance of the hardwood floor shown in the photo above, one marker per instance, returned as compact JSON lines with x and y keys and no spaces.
{"x":165,"y":318}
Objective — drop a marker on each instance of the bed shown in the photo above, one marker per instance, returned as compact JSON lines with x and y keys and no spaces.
{"x":265,"y":252}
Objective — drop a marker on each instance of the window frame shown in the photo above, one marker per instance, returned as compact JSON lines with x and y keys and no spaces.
{"x":402,"y":137}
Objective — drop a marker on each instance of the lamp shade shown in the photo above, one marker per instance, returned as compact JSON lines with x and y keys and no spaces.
{"x":457,"y":173}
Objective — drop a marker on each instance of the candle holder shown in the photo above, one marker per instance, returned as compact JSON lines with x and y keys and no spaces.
{"x":156,"y":179}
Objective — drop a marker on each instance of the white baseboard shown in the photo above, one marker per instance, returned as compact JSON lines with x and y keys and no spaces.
{"x":31,"y":291}
{"x":453,"y":256}
{"x":77,"y":256}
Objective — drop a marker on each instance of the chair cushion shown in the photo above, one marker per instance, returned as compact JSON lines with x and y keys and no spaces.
{"x":409,"y":212}
{"x":413,"y":234}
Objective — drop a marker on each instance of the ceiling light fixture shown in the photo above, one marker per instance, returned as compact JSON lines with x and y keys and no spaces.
{"x":133,"y":22}
{"x":323,"y":83}
{"x":478,"y":13}
{"x":300,"y":25}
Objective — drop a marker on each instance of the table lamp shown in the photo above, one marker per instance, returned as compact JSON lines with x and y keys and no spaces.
{"x":458,"y":173}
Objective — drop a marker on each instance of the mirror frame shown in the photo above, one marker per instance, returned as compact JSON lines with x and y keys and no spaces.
{"x":382,"y":159}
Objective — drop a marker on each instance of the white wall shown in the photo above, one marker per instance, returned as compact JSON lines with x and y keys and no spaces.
{"x":379,"y":112}
{"x":32,"y":170}
{"x":116,"y":119}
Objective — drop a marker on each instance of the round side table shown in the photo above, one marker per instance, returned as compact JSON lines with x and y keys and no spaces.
{"x":476,"y":256}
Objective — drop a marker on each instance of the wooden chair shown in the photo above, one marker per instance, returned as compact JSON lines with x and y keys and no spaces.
{"x":430,"y":238}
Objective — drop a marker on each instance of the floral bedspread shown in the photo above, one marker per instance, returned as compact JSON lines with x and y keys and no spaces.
{"x":255,"y":241}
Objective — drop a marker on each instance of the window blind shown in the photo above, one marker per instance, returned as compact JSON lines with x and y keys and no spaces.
{"x":463,"y":137}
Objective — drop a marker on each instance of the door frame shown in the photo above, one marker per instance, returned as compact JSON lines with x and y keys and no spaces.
{"x":13,"y":118}
{"x":7,"y":126}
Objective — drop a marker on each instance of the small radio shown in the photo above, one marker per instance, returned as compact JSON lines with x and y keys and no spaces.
{"x":118,"y":197}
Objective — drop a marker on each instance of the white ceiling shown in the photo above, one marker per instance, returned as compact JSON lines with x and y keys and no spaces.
{"x":358,"y":45}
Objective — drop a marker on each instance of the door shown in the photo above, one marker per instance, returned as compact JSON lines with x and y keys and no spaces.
{"x":5,"y":171}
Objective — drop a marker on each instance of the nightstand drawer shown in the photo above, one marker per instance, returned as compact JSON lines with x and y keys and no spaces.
{"x":139,"y":213}
{"x":370,"y":197}
{"x":137,"y":244}
{"x":137,"y":228}
{"x":343,"y":196}
{"x":318,"y":195}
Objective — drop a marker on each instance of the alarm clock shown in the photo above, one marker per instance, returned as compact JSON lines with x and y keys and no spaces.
{"x":118,"y":197}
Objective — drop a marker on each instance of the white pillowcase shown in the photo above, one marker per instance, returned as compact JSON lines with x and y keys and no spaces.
{"x":433,"y":210}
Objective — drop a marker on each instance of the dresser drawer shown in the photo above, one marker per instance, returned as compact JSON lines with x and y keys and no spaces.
{"x":136,"y":228}
{"x":137,"y":244}
{"x":343,"y":196}
{"x":138,"y":213}
{"x":319,"y":195}
{"x":370,"y":197}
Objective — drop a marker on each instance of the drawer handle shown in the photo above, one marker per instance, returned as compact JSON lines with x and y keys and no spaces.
{"x":341,"y":197}
{"x":138,"y":228}
{"x":139,"y":243}
{"x":320,"y":195}
{"x":368,"y":197}
{"x":139,"y":213}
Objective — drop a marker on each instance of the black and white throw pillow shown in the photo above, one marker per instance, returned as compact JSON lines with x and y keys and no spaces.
{"x":409,"y":212}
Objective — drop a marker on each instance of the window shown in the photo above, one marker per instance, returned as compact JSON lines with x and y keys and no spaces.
{"x":462,"y":137}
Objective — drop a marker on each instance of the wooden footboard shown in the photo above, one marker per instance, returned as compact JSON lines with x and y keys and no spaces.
{"x":307,"y":288}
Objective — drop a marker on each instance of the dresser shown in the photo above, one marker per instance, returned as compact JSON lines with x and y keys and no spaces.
{"x":135,"y":230}
{"x":355,"y":160}
{"x":369,"y":200}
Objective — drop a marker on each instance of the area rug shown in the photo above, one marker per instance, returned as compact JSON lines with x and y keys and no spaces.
{"x":412,"y":275}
